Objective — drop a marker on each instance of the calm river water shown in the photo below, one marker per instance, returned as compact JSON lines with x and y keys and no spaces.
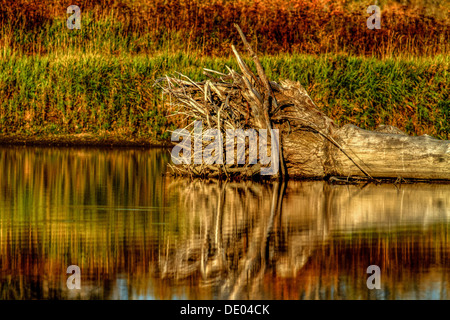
{"x":136,"y":234}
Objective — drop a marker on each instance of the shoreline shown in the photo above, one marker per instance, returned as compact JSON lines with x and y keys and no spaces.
{"x":81,"y":140}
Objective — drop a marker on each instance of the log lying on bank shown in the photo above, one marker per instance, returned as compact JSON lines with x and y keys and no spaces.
{"x":311,"y":145}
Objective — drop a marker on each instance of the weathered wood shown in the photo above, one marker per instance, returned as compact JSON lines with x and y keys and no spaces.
{"x":390,"y":155}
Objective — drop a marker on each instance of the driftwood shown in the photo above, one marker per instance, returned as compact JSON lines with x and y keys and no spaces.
{"x":311,"y":145}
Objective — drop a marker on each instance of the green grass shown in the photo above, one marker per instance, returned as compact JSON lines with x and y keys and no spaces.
{"x":93,"y":93}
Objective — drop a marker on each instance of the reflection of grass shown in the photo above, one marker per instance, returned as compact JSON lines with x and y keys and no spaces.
{"x":61,"y":207}
{"x":90,"y":179}
{"x":412,"y":260}
{"x":58,"y":207}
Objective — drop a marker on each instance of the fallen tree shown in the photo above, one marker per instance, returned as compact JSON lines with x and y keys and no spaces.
{"x":311,"y":145}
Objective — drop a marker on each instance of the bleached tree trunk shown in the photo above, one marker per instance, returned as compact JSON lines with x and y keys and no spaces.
{"x":350,"y":151}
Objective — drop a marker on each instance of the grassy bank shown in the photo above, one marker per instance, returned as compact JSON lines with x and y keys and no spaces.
{"x":97,"y":82}
{"x":73,"y":94}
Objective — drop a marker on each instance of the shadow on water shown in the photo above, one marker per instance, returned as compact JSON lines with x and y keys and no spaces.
{"x":136,"y":234}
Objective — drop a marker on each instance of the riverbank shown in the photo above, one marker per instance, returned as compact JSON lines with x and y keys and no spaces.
{"x":57,"y":85}
{"x":73,"y":94}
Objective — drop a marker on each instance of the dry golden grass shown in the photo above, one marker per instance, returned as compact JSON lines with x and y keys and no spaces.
{"x":419,"y":27}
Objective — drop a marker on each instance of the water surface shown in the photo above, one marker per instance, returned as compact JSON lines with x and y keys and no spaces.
{"x":136,"y":234}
